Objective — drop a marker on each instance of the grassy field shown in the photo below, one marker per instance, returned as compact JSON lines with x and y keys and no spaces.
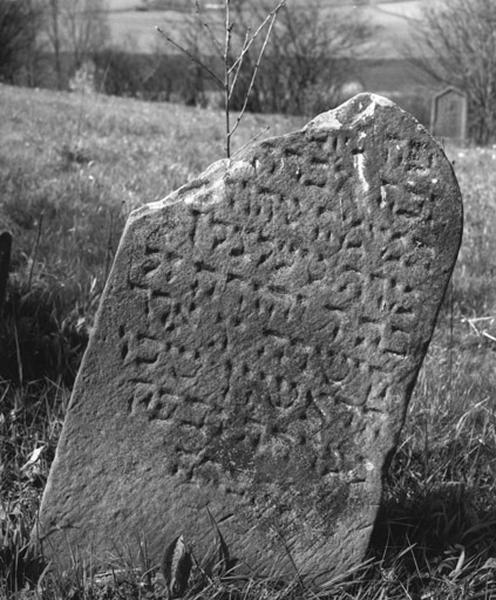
{"x":71,"y":168}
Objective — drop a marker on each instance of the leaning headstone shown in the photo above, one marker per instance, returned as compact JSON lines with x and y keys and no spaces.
{"x":449,"y":114}
{"x":255,"y":349}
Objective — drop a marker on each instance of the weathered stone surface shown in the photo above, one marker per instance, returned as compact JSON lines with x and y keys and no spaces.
{"x":255,"y":348}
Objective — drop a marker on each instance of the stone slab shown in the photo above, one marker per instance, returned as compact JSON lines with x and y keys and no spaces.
{"x":255,"y":349}
{"x":449,"y":114}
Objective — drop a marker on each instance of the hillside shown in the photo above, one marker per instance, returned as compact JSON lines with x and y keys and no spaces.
{"x":136,"y":151}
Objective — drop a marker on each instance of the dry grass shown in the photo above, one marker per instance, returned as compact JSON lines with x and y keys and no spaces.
{"x":70,"y":170}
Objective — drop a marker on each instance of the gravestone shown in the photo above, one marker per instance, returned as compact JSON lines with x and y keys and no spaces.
{"x":449,"y":114}
{"x":255,"y":349}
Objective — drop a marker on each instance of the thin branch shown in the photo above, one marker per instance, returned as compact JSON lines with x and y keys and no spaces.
{"x":227,"y":73}
{"x":270,"y":15}
{"x":208,"y":29}
{"x":240,"y":63}
{"x":231,"y":71}
{"x":34,"y":253}
{"x":191,"y":56}
{"x":253,"y":138}
{"x":254,"y":74}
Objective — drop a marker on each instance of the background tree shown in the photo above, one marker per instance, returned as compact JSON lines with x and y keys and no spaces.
{"x":308,"y":59}
{"x":77,"y":27}
{"x":19,"y":21}
{"x":52,"y":18}
{"x":458,"y":38}
{"x":231,"y":59}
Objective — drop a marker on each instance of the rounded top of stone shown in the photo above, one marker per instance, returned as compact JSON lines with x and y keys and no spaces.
{"x":356,"y":109}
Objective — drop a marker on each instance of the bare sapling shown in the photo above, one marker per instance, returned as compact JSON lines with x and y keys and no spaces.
{"x":231,"y":67}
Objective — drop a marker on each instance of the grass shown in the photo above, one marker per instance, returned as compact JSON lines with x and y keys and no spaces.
{"x":71,"y":168}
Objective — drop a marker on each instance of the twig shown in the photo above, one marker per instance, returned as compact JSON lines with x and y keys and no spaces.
{"x":254,"y":74}
{"x":476,"y":319}
{"x":231,"y":71}
{"x":240,"y":64}
{"x":476,"y":331}
{"x":109,"y":253}
{"x":269,"y":16}
{"x":208,"y":29}
{"x":34,"y":254}
{"x":472,"y":324}
{"x":253,"y":138}
{"x":227,"y":75}
{"x":191,"y":56}
{"x":488,"y":336}
{"x":18,"y":351}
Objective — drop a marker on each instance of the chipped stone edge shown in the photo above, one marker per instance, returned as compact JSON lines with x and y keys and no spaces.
{"x":333,"y":120}
{"x":210,"y":186}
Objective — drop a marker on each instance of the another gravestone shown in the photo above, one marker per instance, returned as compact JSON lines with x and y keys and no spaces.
{"x":449,"y":114}
{"x":255,"y":349}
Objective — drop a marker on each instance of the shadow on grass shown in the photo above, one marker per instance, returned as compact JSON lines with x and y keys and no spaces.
{"x":439,"y":537}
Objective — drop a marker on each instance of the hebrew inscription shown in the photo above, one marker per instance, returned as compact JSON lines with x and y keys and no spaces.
{"x":256,"y":347}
